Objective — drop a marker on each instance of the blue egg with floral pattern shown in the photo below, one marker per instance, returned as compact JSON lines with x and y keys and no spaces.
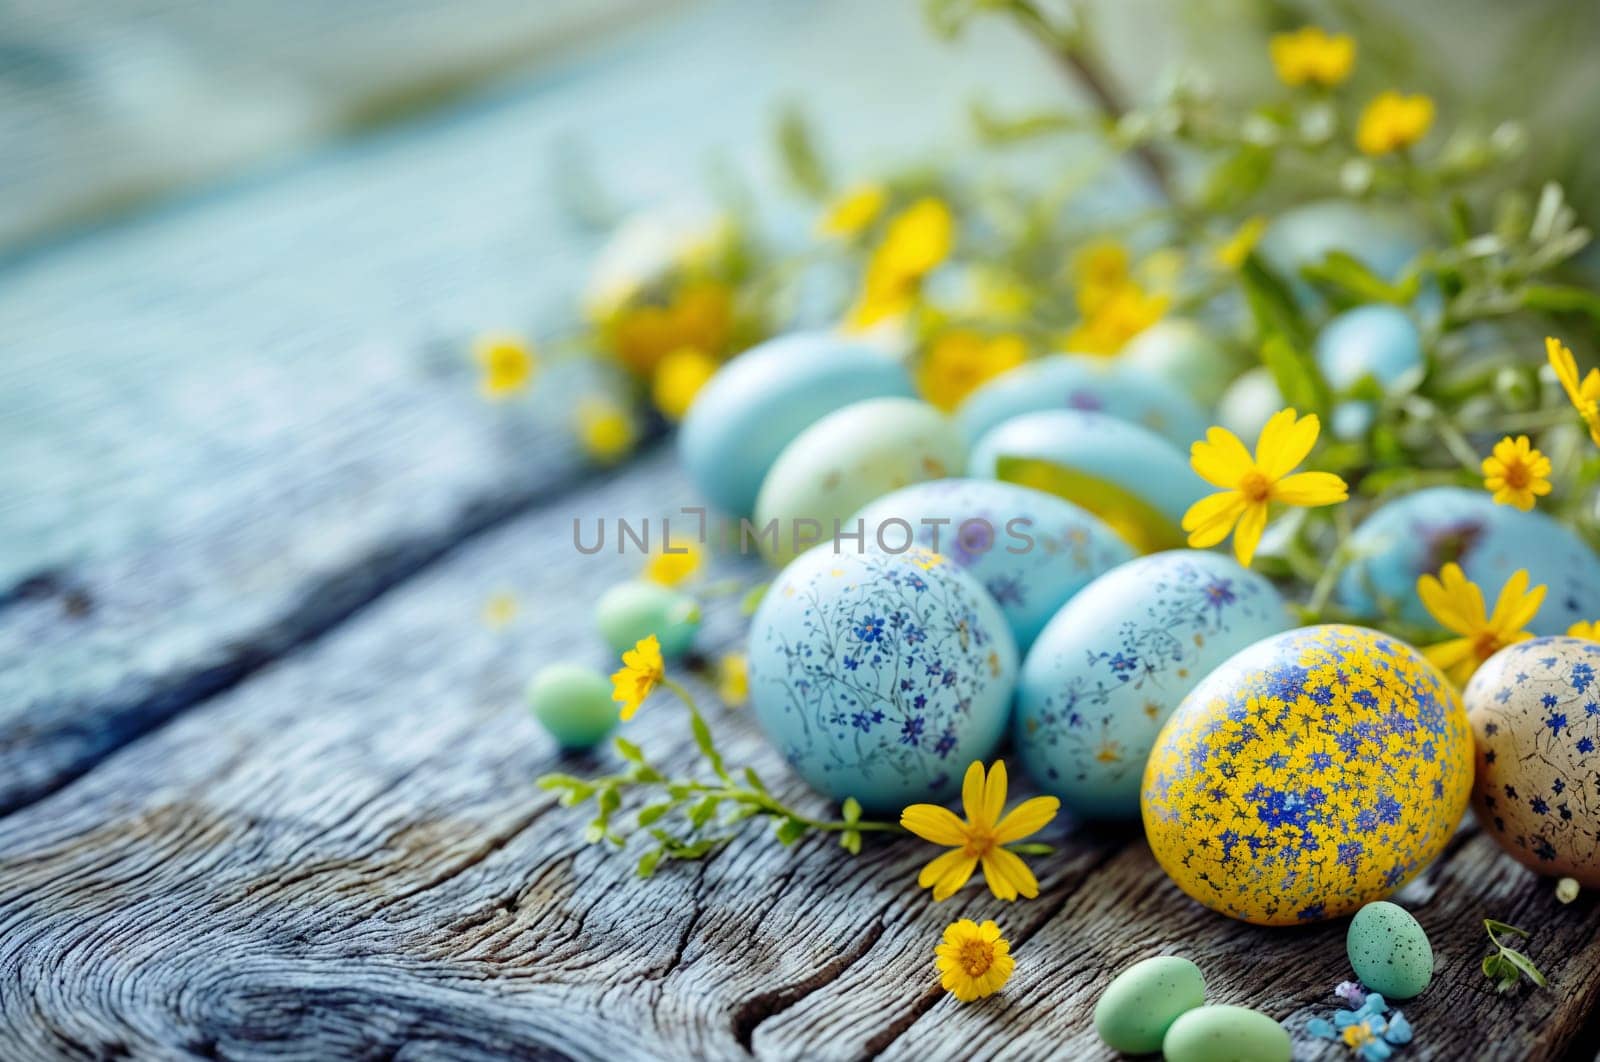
{"x":880,"y":676}
{"x":1116,"y":661}
{"x":1420,"y":533}
{"x":1030,"y":550}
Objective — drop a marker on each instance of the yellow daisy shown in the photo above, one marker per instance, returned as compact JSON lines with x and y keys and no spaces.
{"x":1458,"y":606}
{"x":960,"y":359}
{"x":636,"y":679}
{"x":1312,"y":56}
{"x":1393,"y":122}
{"x":1585,"y":394}
{"x":1587,"y":629}
{"x":1515,"y":473}
{"x":982,"y":838}
{"x":853,"y":211}
{"x":676,"y":567}
{"x":678,"y":379}
{"x":605,"y":430}
{"x":733,"y":679}
{"x":974,"y":961}
{"x":508,"y":364}
{"x":1252,"y":485}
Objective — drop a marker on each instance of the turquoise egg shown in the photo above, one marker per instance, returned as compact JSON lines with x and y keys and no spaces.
{"x":1130,"y":477}
{"x":758,"y":402}
{"x":1115,"y":662}
{"x":1030,"y":550}
{"x":1389,"y":951}
{"x":1385,"y":241}
{"x":844,"y":461}
{"x":632,"y":611}
{"x":1184,"y":354}
{"x":1249,"y":402}
{"x":1079,"y":381}
{"x":1421,"y":532}
{"x":880,"y":676}
{"x":573,"y":704}
{"x":1378,"y":344}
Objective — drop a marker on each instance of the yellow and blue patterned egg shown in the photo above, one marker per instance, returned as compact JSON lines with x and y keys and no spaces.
{"x":1133,"y":479}
{"x":880,"y":676}
{"x":1030,"y":550}
{"x":1314,"y":772}
{"x":1535,"y":711}
{"x":1116,"y":661}
{"x":1419,"y":533}
{"x":845,"y":460}
{"x":1082,"y":381}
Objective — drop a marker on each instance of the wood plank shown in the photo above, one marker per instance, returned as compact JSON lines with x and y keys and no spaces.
{"x":229,"y":424}
{"x":347,"y":855}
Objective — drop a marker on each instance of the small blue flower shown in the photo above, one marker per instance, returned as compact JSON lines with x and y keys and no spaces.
{"x":1368,"y":1029}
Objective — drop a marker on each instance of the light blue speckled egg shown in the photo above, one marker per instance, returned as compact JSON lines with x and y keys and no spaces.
{"x":756,"y":405}
{"x":880,"y":676}
{"x":1116,"y":661}
{"x":1079,"y":381}
{"x":1419,"y":533}
{"x":1376,"y":341}
{"x":1184,"y":354}
{"x":844,"y":461}
{"x":1030,"y":550}
{"x":1130,"y":477}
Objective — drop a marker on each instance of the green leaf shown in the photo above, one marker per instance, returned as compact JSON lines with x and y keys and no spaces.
{"x":752,"y":599}
{"x":1521,"y":962}
{"x":610,"y":799}
{"x":1297,"y":376}
{"x":649,"y":861}
{"x":789,"y":830}
{"x":851,"y":809}
{"x":1272,"y":303}
{"x":594,"y":833}
{"x":850,"y":841}
{"x":1031,"y":848}
{"x":652,"y":813}
{"x":703,"y":811}
{"x":1344,"y":275}
{"x":708,"y":747}
{"x":1562,"y":298}
{"x":628,"y":750}
{"x":1237,"y":178}
{"x":754,"y":780}
{"x":646,"y":774}
{"x":797,"y":148}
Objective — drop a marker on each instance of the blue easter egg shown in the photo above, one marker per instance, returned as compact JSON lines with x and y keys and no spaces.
{"x":1419,"y":533}
{"x":1130,"y":477}
{"x":1030,"y":550}
{"x":880,"y":676}
{"x":1116,"y":661}
{"x":1385,"y":241}
{"x":1379,"y":341}
{"x":1078,"y":381}
{"x":760,"y":401}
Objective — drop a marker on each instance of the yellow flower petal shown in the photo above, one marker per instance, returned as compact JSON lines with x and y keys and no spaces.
{"x":1247,"y":536}
{"x":994,"y":796}
{"x":944,"y":867}
{"x":1516,"y":606}
{"x":1209,"y":520}
{"x":1285,"y":442}
{"x":1220,"y":459}
{"x":1005,"y":865}
{"x":972,"y":791}
{"x":934,"y":823}
{"x":955,"y":875}
{"x":1310,"y":489}
{"x":1026,"y":818}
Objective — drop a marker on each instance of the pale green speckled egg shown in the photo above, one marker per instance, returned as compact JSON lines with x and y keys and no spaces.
{"x":1141,"y":1003}
{"x":634,"y":610}
{"x":1226,"y":1034}
{"x":1389,"y":951}
{"x":574,"y":704}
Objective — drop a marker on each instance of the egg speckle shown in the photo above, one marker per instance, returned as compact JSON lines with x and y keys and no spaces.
{"x":1535,"y":711}
{"x":1117,"y":659}
{"x":1389,"y":951}
{"x":1141,"y":1003}
{"x":1222,"y":1033}
{"x":880,"y":676}
{"x":1315,"y":771}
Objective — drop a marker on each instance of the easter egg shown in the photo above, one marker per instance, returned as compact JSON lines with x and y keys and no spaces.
{"x":880,"y":676}
{"x":1389,"y":951}
{"x":1030,"y":550}
{"x":1223,"y":1033}
{"x":1385,"y":241}
{"x":1311,"y":773}
{"x":1249,"y":402}
{"x":1185,"y":355}
{"x":1134,"y":480}
{"x":1535,"y":711}
{"x":574,"y":704}
{"x":845,"y":460}
{"x":1116,"y":661}
{"x":1419,"y":533}
{"x":1080,"y":381}
{"x":635,"y":610}
{"x":1376,"y":346}
{"x":758,"y":402}
{"x":1141,"y":1003}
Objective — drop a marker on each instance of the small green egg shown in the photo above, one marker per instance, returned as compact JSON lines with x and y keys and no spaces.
{"x":631,"y":611}
{"x":1389,"y":951}
{"x":1140,"y":1003}
{"x":1225,"y":1034}
{"x":574,"y":704}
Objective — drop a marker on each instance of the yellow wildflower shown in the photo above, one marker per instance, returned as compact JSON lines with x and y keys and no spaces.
{"x":1585,"y":395}
{"x":1515,"y":472}
{"x":960,"y":359}
{"x":1393,"y":122}
{"x":1589,"y":629}
{"x":1100,"y":270}
{"x":982,"y":838}
{"x":733,"y":679}
{"x":1312,"y":56}
{"x":508,"y":364}
{"x":1121,"y":316}
{"x":852,"y":212}
{"x":499,"y":610}
{"x":672,"y":569}
{"x":605,"y":430}
{"x":636,"y":679}
{"x":1253,"y":485}
{"x":698,"y":317}
{"x":919,"y":238}
{"x":1232,"y":252}
{"x":974,"y":961}
{"x":678,"y":378}
{"x":1458,"y":606}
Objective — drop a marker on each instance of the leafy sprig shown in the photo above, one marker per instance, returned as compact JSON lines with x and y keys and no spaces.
{"x":1508,"y":966}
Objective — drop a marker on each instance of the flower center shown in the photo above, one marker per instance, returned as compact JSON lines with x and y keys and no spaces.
{"x":978,"y":843}
{"x":1255,"y":486}
{"x":1516,"y":475}
{"x":976,"y":957}
{"x":1357,"y":1035}
{"x":1485,"y":644}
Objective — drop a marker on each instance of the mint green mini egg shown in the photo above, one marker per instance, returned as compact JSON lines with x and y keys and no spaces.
{"x":631,"y":611}
{"x":1389,"y":951}
{"x":1141,"y":1002}
{"x":1221,"y":1033}
{"x":574,"y":704}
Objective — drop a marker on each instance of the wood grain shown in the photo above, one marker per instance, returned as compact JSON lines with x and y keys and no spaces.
{"x":346,"y":856}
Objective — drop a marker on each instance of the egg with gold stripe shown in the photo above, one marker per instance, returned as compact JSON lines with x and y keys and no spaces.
{"x":1311,"y":773}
